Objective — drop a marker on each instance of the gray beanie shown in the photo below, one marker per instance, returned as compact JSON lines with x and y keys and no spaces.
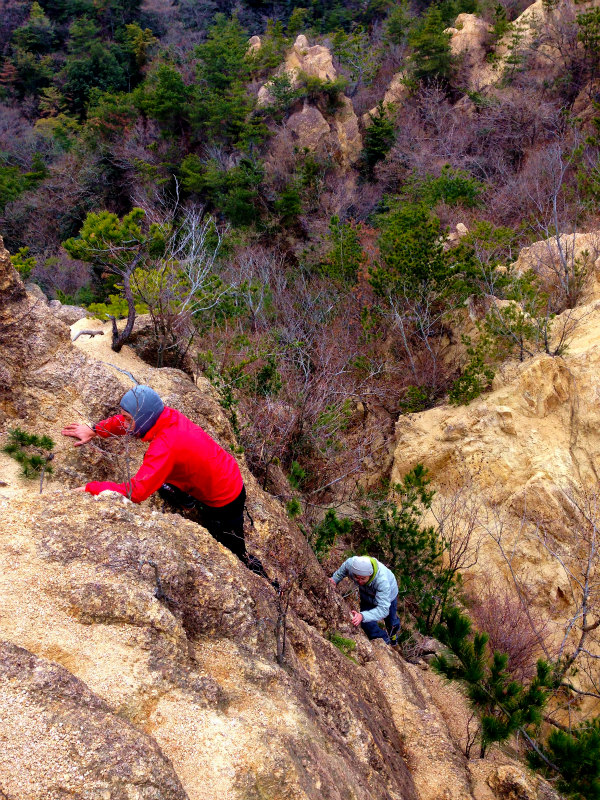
{"x":145,"y":406}
{"x":361,"y":565}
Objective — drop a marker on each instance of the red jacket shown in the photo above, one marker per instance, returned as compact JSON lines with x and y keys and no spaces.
{"x":180,"y":453}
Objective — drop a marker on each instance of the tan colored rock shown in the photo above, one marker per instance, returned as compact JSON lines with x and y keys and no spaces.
{"x":520,"y":451}
{"x":397,"y":91}
{"x":509,"y":783}
{"x":11,"y":287}
{"x":315,"y":61}
{"x":254,"y":44}
{"x":553,"y":258}
{"x":537,"y":22}
{"x":187,"y":674}
{"x":309,"y":128}
{"x":59,"y":739}
{"x":345,"y":125}
{"x":265,"y":97}
{"x":468,"y":39}
{"x":34,"y":289}
{"x":395,"y":95}
{"x":466,"y":106}
{"x":460,"y":231}
{"x":584,"y":105}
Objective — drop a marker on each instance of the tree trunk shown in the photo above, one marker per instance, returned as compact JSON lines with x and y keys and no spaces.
{"x":119,"y":339}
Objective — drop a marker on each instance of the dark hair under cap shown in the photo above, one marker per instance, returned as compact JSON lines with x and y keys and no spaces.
{"x":144,"y":405}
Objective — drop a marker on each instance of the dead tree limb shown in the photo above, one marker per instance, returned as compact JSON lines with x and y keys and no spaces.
{"x":87,"y":333}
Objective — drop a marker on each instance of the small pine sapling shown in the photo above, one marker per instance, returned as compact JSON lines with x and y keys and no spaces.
{"x":32,"y":452}
{"x":503,"y":705}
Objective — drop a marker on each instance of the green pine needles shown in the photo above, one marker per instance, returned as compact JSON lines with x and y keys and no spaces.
{"x":576,"y":756}
{"x":32,"y":452}
{"x":414,"y":552}
{"x":502,"y":704}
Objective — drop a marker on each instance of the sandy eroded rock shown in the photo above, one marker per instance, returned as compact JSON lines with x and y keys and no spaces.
{"x":309,"y":128}
{"x":396,"y":93}
{"x":468,"y":41}
{"x":191,"y":666}
{"x":139,"y":654}
{"x":59,"y":739}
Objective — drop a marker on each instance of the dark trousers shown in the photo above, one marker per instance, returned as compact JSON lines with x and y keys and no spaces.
{"x":392,"y":623}
{"x":225,"y":523}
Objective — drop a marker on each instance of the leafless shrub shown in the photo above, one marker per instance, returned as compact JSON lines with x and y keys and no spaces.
{"x":567,"y":535}
{"x":178,"y":285}
{"x":44,"y":217}
{"x":61,"y":273}
{"x":456,"y":512}
{"x":579,"y":650}
{"x":12,"y":13}
{"x":498,"y":612}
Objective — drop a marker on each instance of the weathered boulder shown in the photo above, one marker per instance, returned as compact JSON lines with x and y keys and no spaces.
{"x":315,"y":61}
{"x":254,"y":43}
{"x":309,"y":128}
{"x":301,"y":59}
{"x":337,"y":137}
{"x":68,"y":314}
{"x":570,"y":254}
{"x":349,"y":140}
{"x":517,"y":454}
{"x":530,"y":41}
{"x":187,"y":673}
{"x":396,"y":93}
{"x":460,"y":231}
{"x":468,"y":40}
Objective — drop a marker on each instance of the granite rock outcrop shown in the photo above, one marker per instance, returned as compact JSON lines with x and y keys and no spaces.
{"x":138,"y":655}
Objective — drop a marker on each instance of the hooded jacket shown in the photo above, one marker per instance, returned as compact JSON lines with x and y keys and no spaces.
{"x":180,"y":453}
{"x":378,"y":593}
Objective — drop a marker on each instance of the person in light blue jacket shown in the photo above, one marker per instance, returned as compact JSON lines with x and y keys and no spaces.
{"x":378,"y":590}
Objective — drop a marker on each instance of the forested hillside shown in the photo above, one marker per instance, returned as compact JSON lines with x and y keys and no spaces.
{"x":287,"y":213}
{"x":314,"y":281}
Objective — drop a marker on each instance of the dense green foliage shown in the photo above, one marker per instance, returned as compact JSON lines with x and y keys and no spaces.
{"x":576,"y":754}
{"x":378,"y":139}
{"x":327,"y":531}
{"x":432,"y":58}
{"x":502,"y":704}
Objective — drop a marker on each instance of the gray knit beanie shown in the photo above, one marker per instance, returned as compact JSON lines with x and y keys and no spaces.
{"x":361,"y":565}
{"x":145,"y":406}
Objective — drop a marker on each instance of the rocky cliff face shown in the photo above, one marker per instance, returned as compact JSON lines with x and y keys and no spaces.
{"x":137,"y":655}
{"x":526,"y":457}
{"x":339,"y":135}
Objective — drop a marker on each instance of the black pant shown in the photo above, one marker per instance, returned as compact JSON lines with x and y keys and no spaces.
{"x":225,"y":523}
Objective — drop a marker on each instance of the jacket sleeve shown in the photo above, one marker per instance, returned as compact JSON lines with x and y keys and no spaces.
{"x":155,"y":469}
{"x":342,"y":572}
{"x":113,"y":426}
{"x":382,"y":598}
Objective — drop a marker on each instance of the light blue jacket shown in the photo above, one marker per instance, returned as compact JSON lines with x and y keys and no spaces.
{"x":378,"y":592}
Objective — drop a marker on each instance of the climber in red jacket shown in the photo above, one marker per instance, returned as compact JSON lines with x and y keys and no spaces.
{"x":183,"y":463}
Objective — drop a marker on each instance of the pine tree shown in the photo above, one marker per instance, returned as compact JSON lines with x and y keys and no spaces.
{"x":32,"y":452}
{"x":378,"y":139}
{"x":576,"y":757}
{"x":413,"y":551}
{"x":431,"y":58}
{"x":503,"y":705}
